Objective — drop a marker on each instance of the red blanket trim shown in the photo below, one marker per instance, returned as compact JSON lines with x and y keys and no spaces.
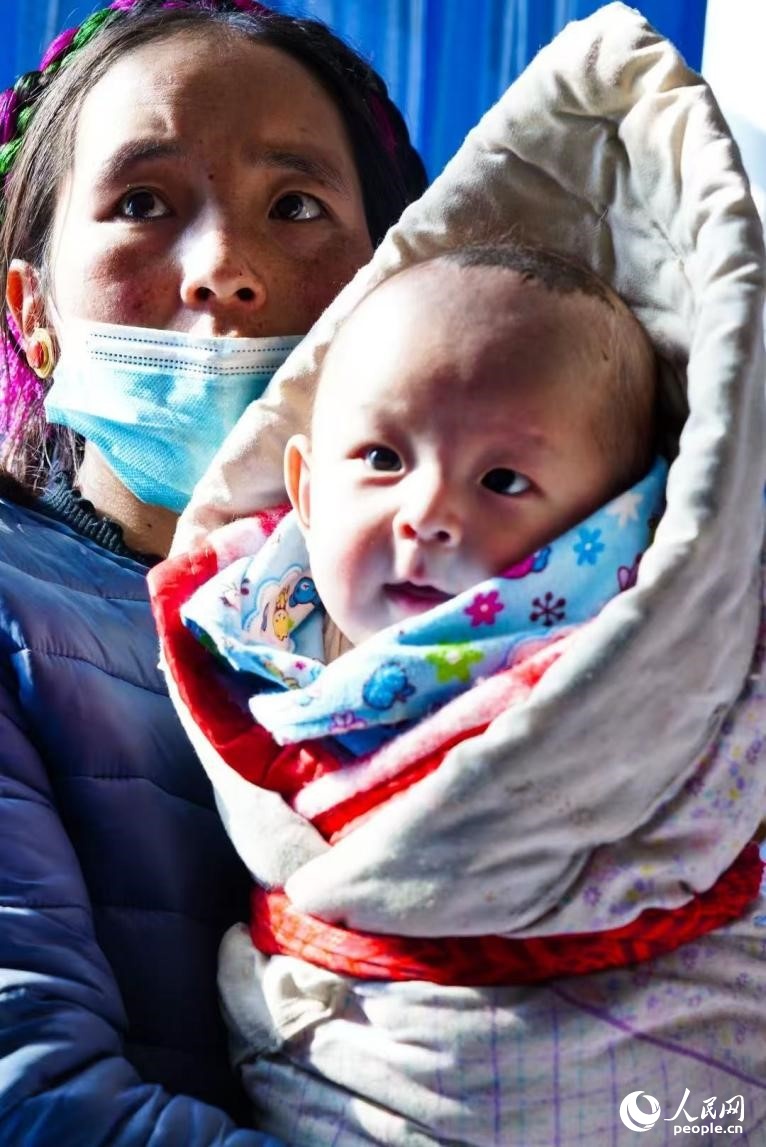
{"x":278,"y":928}
{"x":205,"y":687}
{"x":484,"y":960}
{"x":346,"y":815}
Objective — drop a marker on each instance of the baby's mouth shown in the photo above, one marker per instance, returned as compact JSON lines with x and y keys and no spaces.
{"x":415,"y":598}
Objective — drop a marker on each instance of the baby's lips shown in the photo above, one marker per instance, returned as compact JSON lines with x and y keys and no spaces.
{"x":416,"y":591}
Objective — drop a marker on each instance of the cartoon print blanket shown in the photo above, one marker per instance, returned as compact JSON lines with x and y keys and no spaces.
{"x":623,"y":773}
{"x":263,"y":616}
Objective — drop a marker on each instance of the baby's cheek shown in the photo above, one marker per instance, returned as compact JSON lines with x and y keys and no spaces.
{"x":345,"y":571}
{"x":347,"y":578}
{"x":328,"y":554}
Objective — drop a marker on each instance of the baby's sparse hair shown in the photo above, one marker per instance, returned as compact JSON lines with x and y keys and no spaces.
{"x":626,"y":426}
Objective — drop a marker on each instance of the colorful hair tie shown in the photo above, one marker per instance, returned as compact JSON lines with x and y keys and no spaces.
{"x":57,"y":47}
{"x":9,"y":103}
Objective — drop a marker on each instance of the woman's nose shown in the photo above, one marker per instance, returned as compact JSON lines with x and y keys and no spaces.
{"x":216,"y":273}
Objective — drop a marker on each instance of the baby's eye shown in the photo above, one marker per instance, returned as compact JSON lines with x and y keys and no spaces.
{"x":508,"y":482}
{"x":382,"y":458}
{"x":142,"y":204}
{"x":297,"y":207}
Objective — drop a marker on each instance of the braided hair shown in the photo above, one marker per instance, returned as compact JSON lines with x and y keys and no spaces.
{"x":38,"y":118}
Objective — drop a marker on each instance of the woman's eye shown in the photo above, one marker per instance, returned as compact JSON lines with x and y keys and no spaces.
{"x":382,"y":458}
{"x":297,"y":207}
{"x":508,"y":482}
{"x":142,"y":204}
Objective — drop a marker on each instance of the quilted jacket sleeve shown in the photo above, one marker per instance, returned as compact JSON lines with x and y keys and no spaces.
{"x":63,"y":1079}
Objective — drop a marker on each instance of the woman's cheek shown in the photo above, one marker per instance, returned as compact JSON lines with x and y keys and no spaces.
{"x":316,"y":290}
{"x":113,"y":286}
{"x":137,"y":305}
{"x":327,"y":272}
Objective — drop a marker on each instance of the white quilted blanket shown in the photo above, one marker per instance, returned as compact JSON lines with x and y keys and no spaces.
{"x":636,"y":771}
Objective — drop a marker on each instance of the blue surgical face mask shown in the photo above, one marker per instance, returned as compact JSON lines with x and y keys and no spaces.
{"x":157,"y":404}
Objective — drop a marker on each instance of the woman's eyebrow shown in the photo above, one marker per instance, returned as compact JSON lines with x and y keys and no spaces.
{"x":314,"y":167}
{"x":136,"y":151}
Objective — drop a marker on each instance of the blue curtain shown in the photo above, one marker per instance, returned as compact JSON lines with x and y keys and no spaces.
{"x":445,"y":61}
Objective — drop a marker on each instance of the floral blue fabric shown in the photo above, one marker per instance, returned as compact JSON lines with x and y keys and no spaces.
{"x":263,"y":616}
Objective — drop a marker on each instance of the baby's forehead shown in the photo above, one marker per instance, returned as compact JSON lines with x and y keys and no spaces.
{"x":440,"y":277}
{"x":523,"y":306}
{"x":447,"y":304}
{"x":444,"y":283}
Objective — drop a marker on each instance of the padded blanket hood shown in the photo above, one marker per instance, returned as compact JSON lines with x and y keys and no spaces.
{"x":609,"y":148}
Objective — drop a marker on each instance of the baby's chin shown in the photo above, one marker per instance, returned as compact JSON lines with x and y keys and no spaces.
{"x":400,"y":603}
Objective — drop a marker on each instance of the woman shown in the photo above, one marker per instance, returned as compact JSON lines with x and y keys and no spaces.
{"x":212,"y":170}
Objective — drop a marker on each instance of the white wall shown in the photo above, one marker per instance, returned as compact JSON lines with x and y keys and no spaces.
{"x":734,"y":64}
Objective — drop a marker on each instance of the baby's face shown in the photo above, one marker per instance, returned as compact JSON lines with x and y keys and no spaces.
{"x":452,"y":437}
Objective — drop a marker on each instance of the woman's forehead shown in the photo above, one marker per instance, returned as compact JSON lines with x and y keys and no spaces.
{"x":197,"y":83}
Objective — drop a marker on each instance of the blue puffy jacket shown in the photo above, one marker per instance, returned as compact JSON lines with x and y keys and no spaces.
{"x":116,"y":877}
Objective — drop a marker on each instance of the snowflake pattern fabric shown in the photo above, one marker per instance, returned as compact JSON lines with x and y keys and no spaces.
{"x":263,"y":616}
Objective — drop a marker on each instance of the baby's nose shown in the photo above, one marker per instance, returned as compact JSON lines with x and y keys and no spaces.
{"x":432,"y":515}
{"x":445,"y":534}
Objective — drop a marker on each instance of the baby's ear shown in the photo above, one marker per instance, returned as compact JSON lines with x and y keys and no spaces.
{"x":298,"y":477}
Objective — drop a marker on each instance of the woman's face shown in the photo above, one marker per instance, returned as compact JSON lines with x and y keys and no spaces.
{"x":212,"y":190}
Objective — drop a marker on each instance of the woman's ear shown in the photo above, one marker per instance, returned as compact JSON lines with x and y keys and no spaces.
{"x":298,"y":477}
{"x":24,"y":297}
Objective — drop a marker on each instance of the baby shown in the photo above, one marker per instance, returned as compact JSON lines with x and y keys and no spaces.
{"x":472,"y":413}
{"x":470,"y":410}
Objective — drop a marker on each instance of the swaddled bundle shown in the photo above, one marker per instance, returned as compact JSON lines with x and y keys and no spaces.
{"x":608,"y":788}
{"x":264,"y":616}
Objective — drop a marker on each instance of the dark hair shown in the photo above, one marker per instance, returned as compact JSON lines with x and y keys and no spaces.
{"x":38,"y":119}
{"x":552,"y":270}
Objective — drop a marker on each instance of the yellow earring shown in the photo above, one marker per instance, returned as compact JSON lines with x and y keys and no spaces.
{"x":40,"y":353}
